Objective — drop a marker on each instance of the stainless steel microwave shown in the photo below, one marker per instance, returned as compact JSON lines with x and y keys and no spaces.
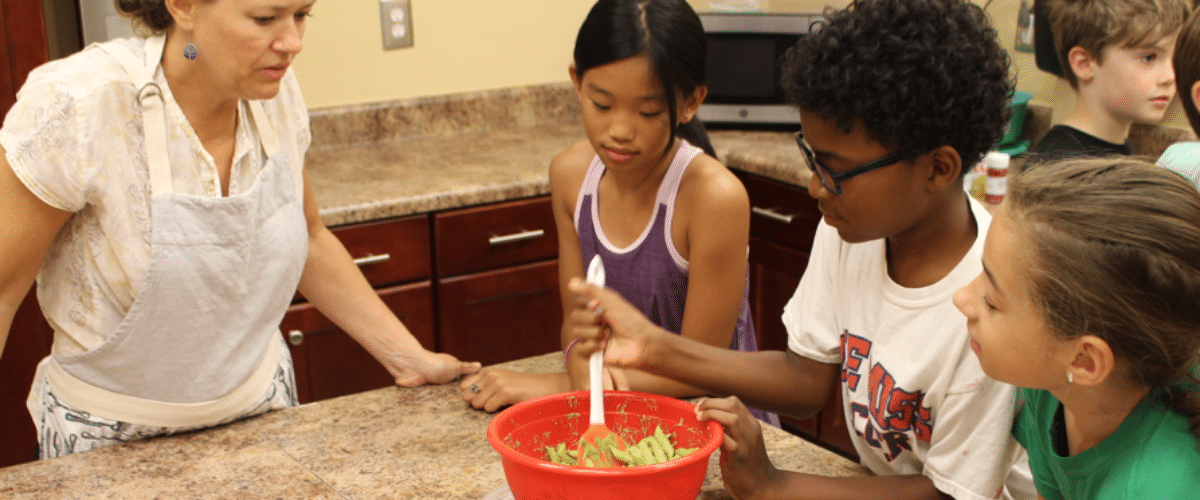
{"x":744,"y":54}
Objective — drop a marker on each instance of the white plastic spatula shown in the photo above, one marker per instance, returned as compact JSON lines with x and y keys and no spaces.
{"x":597,"y":431}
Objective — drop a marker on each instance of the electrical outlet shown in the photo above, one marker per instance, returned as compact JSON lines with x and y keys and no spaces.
{"x":396,"y":20}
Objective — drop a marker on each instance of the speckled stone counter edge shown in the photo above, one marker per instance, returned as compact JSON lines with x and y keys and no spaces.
{"x":499,"y":109}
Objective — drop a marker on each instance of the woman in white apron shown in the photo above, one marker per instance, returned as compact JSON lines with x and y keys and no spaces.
{"x":155,"y":188}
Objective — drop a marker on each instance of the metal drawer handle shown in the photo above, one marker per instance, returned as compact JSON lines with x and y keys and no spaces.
{"x":295,"y":337}
{"x":372,"y":259}
{"x":773,"y":215}
{"x":513,"y":238}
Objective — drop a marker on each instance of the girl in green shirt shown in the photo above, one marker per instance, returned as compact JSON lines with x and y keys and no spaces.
{"x":1090,"y":301}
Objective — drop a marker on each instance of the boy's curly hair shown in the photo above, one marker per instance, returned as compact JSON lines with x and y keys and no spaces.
{"x":919,"y":74}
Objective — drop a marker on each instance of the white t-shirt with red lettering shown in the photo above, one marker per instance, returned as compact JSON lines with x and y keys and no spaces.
{"x":913,"y":393}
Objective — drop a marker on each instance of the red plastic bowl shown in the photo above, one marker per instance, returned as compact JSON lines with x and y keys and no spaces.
{"x":521,"y":433}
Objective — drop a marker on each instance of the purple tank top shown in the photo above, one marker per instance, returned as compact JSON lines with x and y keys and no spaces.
{"x":650,"y":273}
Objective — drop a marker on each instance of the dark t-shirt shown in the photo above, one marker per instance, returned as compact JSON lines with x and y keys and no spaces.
{"x":1063,"y":141}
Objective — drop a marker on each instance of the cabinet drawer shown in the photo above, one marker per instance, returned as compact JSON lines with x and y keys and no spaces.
{"x":501,"y":315}
{"x":781,"y":212}
{"x":329,"y":363}
{"x":491,"y":236}
{"x":390,"y":251}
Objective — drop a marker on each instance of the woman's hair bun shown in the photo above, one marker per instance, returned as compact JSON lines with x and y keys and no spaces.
{"x":152,"y":15}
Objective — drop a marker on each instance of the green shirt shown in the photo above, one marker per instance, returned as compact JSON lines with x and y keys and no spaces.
{"x":1151,"y":455}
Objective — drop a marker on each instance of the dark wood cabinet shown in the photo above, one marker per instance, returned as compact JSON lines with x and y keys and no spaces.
{"x":480,"y":283}
{"x":329,"y":363}
{"x":501,"y":315}
{"x":23,"y":47}
{"x":497,"y":281}
{"x":494,"y":236}
{"x":390,"y":251}
{"x":835,"y":434}
{"x":29,"y":341}
{"x":775,"y":271}
{"x":8,"y":85}
{"x":782,"y":226}
{"x":394,"y":256}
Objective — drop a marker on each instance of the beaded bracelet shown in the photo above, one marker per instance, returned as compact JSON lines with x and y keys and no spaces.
{"x":568,"y":351}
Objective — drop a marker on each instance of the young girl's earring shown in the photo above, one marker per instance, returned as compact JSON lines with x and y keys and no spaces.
{"x":1070,"y":378}
{"x":190,"y":52}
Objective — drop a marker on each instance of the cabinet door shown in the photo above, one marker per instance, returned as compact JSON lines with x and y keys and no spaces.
{"x":28,"y":342}
{"x":501,"y":315}
{"x":23,"y":46}
{"x":8,"y":89}
{"x":329,"y":363}
{"x":775,"y":271}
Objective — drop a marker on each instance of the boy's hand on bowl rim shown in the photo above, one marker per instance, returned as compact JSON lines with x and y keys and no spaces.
{"x":745,"y":467}
{"x":605,"y":320}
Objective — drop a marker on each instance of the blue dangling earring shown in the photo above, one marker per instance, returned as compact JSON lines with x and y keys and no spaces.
{"x":190,"y":52}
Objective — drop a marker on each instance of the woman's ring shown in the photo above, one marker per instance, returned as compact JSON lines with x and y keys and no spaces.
{"x":474,"y":388}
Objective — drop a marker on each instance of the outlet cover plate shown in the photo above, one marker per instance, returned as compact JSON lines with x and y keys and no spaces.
{"x":396,"y":19}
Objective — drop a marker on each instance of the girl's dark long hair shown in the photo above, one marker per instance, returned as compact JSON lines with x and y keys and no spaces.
{"x":669,"y":33}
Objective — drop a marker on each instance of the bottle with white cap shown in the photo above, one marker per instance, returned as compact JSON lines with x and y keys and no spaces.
{"x":997,"y":176}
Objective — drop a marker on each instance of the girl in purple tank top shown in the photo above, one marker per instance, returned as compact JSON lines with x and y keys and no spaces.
{"x":644,"y":191}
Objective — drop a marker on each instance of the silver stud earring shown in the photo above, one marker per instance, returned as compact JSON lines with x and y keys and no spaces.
{"x":1070,"y":378}
{"x":190,"y":52}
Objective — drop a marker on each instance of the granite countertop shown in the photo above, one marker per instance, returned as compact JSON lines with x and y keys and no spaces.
{"x":442,"y":152}
{"x":390,"y":178}
{"x":387,"y":443}
{"x":433,"y":153}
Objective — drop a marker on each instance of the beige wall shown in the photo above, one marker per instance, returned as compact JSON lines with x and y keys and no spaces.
{"x":470,"y":45}
{"x":459,"y":46}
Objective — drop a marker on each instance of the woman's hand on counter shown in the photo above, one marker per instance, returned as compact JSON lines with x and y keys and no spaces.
{"x":429,"y":368}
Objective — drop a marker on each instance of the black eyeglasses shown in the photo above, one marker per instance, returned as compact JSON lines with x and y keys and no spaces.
{"x":832,"y":181}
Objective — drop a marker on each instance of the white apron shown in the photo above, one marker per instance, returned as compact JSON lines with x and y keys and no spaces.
{"x":200,"y":345}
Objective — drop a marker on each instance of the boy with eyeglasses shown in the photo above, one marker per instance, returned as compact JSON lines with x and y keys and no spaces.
{"x":898,"y":98}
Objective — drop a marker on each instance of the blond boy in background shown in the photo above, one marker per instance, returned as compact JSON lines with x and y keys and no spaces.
{"x":1116,"y":54}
